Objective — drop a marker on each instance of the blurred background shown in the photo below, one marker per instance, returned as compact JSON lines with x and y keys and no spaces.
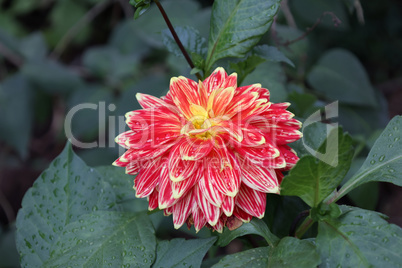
{"x":57,"y":54}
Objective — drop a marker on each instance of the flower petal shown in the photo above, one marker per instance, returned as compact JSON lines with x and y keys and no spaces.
{"x":228,"y":205}
{"x":210,"y":211}
{"x":198,"y":216}
{"x":180,"y":169}
{"x":184,"y":92}
{"x":165,"y":197}
{"x":289,"y":154}
{"x":223,"y":170}
{"x":194,"y":148}
{"x":215,"y":80}
{"x":153,"y":200}
{"x":146,"y":181}
{"x":210,"y":191}
{"x":222,"y":100}
{"x":181,"y":210}
{"x":182,"y":187}
{"x":251,"y":201}
{"x":259,"y":178}
{"x":148,"y":101}
{"x":241,"y":215}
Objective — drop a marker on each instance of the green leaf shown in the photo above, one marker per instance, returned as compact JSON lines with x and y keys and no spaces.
{"x":255,"y":226}
{"x":339,"y":75}
{"x":107,"y":62}
{"x":271,"y":76}
{"x":122,"y":185}
{"x":65,"y":15}
{"x":33,"y":47}
{"x":314,"y":135}
{"x":89,"y":101}
{"x":384,"y":162}
{"x":182,"y":253}
{"x":190,"y":38}
{"x":125,"y":38}
{"x":105,"y":238}
{"x":359,"y":238}
{"x":290,"y":252}
{"x":51,"y":77}
{"x":237,"y":26}
{"x":271,"y":53}
{"x":15,"y":107}
{"x":312,"y":179}
{"x":62,"y":193}
{"x":295,"y":51}
{"x":303,"y":104}
{"x":245,"y":67}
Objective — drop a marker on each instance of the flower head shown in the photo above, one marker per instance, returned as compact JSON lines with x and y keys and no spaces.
{"x":209,"y":152}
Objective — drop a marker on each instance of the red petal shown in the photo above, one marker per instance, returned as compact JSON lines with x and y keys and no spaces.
{"x":180,"y":169}
{"x":259,"y":178}
{"x":258,"y":155}
{"x":165,"y":196}
{"x":223,"y":169}
{"x":182,"y":187}
{"x":210,"y":211}
{"x":222,"y":100}
{"x":153,"y":200}
{"x":184,"y":92}
{"x":146,"y":181}
{"x":289,"y":154}
{"x":181,"y":210}
{"x":228,"y":205}
{"x":219,"y":226}
{"x":251,"y":201}
{"x":194,"y":148}
{"x":198,"y":216}
{"x":210,"y":191}
{"x":215,"y":80}
{"x":147,"y":101}
{"x":240,"y":214}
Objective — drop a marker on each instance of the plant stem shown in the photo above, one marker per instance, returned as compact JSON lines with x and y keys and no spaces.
{"x":296,"y":221}
{"x":308,"y":222}
{"x":176,"y":38}
{"x":335,"y":19}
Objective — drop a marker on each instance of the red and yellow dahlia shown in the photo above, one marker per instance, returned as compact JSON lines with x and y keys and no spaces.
{"x":209,"y":152}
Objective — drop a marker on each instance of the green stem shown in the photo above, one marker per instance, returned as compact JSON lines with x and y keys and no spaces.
{"x":308,"y":222}
{"x":176,"y":37}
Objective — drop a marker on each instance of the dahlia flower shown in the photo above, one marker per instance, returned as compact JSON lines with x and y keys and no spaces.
{"x":209,"y":152}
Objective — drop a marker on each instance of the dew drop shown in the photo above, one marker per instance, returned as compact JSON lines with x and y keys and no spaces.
{"x":372,"y":162}
{"x":381,"y":158}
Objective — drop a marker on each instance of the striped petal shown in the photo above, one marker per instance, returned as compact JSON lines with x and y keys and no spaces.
{"x":199,"y":219}
{"x":223,"y":169}
{"x":241,"y":215}
{"x":146,"y":181}
{"x":153,"y":200}
{"x":228,"y":205}
{"x":181,"y":211}
{"x":148,"y":101}
{"x":259,"y":178}
{"x":184,"y":92}
{"x":180,"y":169}
{"x":219,"y":226}
{"x":182,"y":187}
{"x":289,"y":154}
{"x":251,"y":201}
{"x":260,"y":154}
{"x":222,"y":100}
{"x":165,"y":196}
{"x":210,"y":191}
{"x":194,"y":148}
{"x":210,"y":211}
{"x":215,"y":80}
